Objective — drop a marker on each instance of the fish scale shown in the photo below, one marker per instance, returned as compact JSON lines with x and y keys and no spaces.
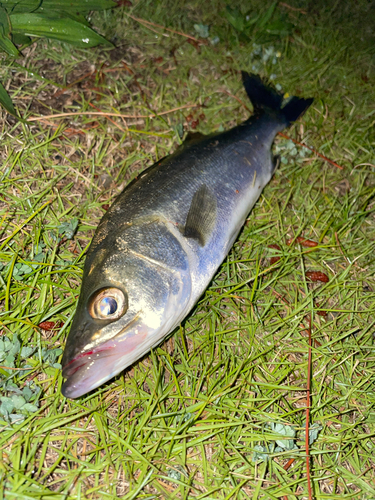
{"x":158,"y":246}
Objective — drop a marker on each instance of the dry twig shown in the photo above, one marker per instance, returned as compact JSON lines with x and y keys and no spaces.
{"x":311,"y":149}
{"x":119,"y":115}
{"x":149,"y":23}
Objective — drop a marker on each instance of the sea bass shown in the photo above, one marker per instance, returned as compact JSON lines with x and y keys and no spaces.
{"x":158,"y":246}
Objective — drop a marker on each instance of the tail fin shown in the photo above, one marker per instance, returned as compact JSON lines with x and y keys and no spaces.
{"x":264,"y":97}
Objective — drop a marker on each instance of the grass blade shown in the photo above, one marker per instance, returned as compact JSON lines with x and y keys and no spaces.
{"x":59,"y":5}
{"x":5,"y":42}
{"x":62,"y":29}
{"x":6,"y":101}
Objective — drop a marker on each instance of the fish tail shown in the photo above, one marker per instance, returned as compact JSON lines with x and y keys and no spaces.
{"x":264,"y":97}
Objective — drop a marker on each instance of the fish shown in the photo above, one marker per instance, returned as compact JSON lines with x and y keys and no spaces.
{"x":160,"y":243}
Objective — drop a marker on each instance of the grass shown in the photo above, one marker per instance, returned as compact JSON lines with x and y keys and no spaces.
{"x":195,"y":417}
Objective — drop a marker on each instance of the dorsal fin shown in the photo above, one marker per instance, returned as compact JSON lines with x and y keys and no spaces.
{"x":201,"y":217}
{"x":192,"y":137}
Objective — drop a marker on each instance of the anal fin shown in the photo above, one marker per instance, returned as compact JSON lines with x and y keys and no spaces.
{"x":275,"y":162}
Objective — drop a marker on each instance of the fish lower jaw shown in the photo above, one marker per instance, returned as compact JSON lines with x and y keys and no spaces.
{"x":90,"y":369}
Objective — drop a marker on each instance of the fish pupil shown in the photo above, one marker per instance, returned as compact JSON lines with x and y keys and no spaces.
{"x":108,"y":306}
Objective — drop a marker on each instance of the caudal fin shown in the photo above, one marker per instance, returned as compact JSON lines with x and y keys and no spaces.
{"x":264,"y":97}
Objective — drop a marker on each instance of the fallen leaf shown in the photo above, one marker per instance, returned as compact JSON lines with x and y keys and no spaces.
{"x":317,"y":276}
{"x":47,"y":325}
{"x":302,"y":241}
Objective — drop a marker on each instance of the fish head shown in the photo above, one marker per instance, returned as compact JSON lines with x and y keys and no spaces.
{"x":126,"y":306}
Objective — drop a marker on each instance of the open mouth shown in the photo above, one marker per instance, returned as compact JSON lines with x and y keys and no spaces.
{"x":86,"y":357}
{"x":89,"y":370}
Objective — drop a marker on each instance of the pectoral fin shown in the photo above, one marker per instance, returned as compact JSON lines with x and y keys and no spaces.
{"x":201,"y":218}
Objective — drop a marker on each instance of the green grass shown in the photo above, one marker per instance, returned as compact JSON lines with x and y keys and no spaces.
{"x":187,"y":420}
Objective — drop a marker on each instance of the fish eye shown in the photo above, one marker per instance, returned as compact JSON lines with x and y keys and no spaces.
{"x":108,"y":303}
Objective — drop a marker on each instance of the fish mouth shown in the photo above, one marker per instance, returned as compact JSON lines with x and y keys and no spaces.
{"x":88,"y":370}
{"x":84,"y":358}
